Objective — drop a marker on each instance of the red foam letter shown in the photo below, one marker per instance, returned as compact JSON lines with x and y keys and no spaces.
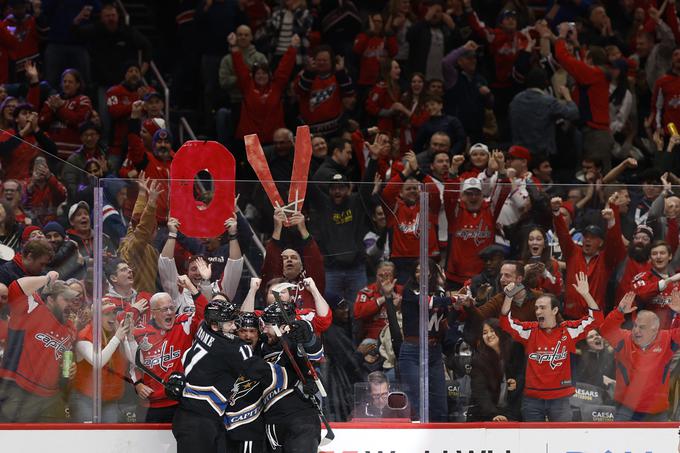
{"x":191,"y":158}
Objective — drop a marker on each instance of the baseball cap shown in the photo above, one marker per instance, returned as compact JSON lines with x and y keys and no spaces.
{"x":339,"y":178}
{"x":153,"y":124}
{"x":161,"y":134}
{"x":153,"y":94}
{"x":594,"y":230}
{"x":519,"y":152}
{"x":493,"y":249}
{"x":59,"y":288}
{"x":472,"y":184}
{"x":480,"y":147}
{"x":507,"y":13}
{"x":81,"y":204}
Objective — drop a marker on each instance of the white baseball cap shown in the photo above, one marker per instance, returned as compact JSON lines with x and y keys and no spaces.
{"x":472,"y":184}
{"x":480,"y":147}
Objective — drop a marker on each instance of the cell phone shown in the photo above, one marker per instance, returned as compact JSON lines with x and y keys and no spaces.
{"x":518,"y":287}
{"x":128,"y":318}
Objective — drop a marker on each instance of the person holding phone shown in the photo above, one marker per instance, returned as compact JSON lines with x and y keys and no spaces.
{"x":116,"y":353}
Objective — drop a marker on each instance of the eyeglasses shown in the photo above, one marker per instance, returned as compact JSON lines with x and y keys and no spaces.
{"x":168,"y":309}
{"x":380,"y":396}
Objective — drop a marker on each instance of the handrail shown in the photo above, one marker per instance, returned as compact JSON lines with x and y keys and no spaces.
{"x":121,"y":8}
{"x":166,"y":90}
{"x":185,"y":127}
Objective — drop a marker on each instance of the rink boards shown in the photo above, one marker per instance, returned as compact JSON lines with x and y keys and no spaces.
{"x":372,"y":438}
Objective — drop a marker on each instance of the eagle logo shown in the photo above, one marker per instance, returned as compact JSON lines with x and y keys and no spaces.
{"x":241,"y":388}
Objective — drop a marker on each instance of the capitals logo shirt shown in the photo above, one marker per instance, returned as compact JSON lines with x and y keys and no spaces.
{"x":162,"y":351}
{"x":548,"y":374}
{"x":36,"y":342}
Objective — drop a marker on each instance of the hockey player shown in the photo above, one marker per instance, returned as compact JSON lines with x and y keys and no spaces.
{"x":219,"y":368}
{"x":292,"y":421}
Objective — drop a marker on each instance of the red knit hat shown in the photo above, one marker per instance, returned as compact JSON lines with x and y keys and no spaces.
{"x":153,"y":124}
{"x":519,"y":152}
{"x":27,"y":232}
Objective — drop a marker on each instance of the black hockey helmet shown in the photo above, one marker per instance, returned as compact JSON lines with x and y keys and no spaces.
{"x":249,"y":320}
{"x":220,"y":311}
{"x":272,"y":314}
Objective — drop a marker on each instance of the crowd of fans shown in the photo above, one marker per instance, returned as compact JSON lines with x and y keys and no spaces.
{"x":543,"y":138}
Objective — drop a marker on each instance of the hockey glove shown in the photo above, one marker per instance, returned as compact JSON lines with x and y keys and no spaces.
{"x":174,"y":386}
{"x":301,"y":332}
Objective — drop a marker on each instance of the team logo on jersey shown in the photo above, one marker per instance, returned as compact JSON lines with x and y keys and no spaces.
{"x":49,"y":341}
{"x":410,"y":227}
{"x":554,"y":357}
{"x":145,"y":345}
{"x":164,"y":358}
{"x":318,"y":97}
{"x":479,"y":234}
{"x":241,"y":388}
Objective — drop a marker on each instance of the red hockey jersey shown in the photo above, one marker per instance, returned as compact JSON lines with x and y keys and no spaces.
{"x":372,"y":50}
{"x":367,"y":310}
{"x":37,"y":341}
{"x":162,"y":351}
{"x":404,"y":220}
{"x":548,"y":373}
{"x":63,"y":123}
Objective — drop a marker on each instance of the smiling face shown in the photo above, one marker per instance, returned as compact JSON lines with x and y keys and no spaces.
{"x":479,"y":158}
{"x":490,"y":337}
{"x":660,"y":258}
{"x":417,"y":84}
{"x":410,"y":191}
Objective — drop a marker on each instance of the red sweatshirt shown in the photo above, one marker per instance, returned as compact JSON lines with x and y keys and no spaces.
{"x":381,"y":98}
{"x":312,"y":261}
{"x":505,"y":48}
{"x":63,"y":123}
{"x":372,"y":50}
{"x":262,"y":109}
{"x":592,"y":91}
{"x":154,"y":168}
{"x":8,"y":43}
{"x":598,"y":268}
{"x":642,"y":375}
{"x":548,"y":374}
{"x":404,"y":220}
{"x":44,"y":200}
{"x":26,"y":34}
{"x":119,"y":100}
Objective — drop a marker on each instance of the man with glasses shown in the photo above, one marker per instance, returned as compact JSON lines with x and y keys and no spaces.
{"x":163,"y":341}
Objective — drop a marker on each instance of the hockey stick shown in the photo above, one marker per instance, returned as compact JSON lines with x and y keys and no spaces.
{"x":330,"y":435}
{"x":140,"y":364}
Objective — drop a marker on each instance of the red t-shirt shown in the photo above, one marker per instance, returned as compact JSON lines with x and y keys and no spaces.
{"x":38,"y":341}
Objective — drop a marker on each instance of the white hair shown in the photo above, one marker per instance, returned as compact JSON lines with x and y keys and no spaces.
{"x":156,"y":298}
